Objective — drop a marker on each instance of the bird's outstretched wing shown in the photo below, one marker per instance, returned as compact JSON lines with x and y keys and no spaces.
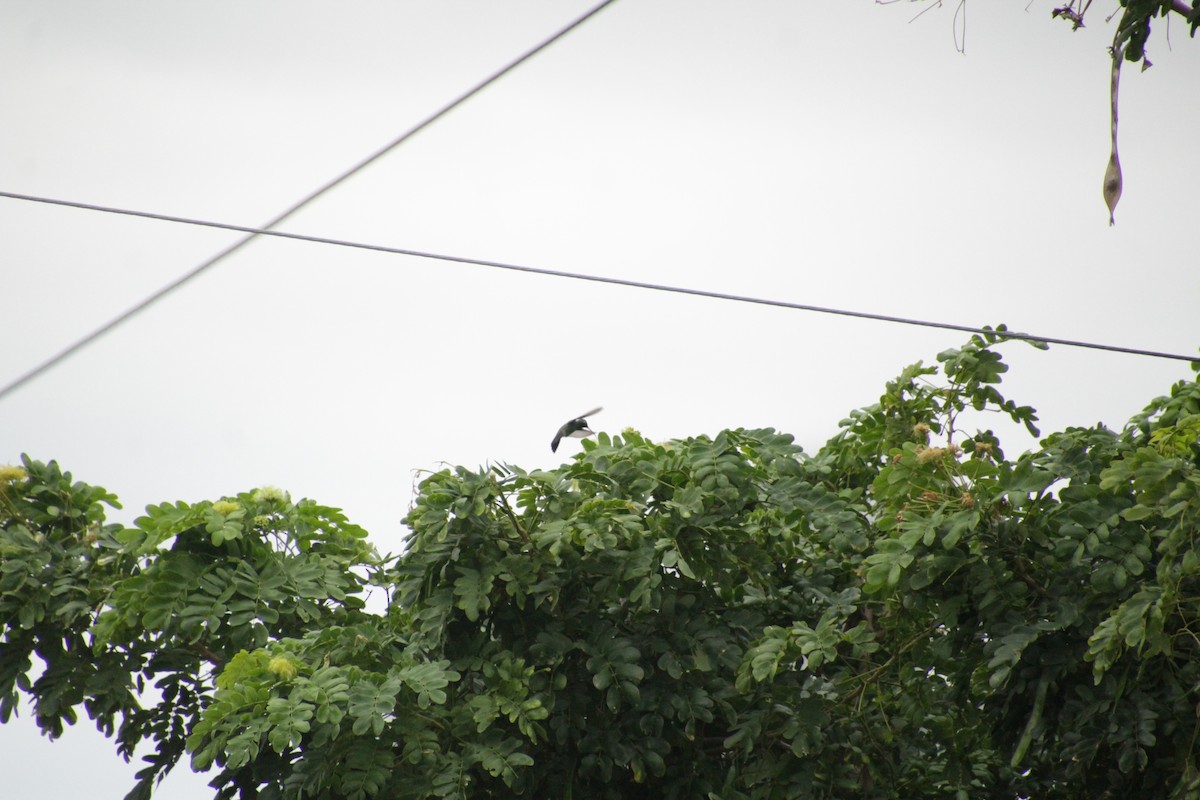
{"x":576,"y":427}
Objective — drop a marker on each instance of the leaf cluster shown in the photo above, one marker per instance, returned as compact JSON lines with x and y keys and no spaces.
{"x":131,"y":623}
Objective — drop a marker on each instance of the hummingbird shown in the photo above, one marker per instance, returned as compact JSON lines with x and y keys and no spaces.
{"x":576,"y":428}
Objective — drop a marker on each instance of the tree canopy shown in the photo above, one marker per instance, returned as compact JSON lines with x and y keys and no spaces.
{"x":905,"y":613}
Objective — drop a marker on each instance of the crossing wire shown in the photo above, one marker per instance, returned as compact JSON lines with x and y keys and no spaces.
{"x":253,"y":233}
{"x":658,"y":287}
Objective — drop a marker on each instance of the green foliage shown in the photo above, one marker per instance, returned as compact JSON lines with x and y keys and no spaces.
{"x":1133,"y":29}
{"x":905,"y":613}
{"x":168,"y":603}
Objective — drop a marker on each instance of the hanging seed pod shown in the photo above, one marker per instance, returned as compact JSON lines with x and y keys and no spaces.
{"x":1112,"y":175}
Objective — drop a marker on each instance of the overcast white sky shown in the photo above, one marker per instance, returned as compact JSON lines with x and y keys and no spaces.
{"x":828,"y":153}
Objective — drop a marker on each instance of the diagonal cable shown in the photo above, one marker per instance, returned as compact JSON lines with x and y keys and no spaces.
{"x":581,"y":276}
{"x":253,"y":233}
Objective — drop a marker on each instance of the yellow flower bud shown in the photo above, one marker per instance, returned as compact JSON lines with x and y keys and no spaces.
{"x":11,"y":474}
{"x":282,"y":667}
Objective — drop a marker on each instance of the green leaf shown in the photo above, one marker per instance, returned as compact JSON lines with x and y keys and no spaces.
{"x":428,"y":681}
{"x":371,"y":705}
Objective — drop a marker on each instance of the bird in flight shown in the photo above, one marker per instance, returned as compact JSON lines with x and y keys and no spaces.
{"x":576,"y":428}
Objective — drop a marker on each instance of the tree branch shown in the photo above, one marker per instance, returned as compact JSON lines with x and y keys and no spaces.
{"x":208,"y":655}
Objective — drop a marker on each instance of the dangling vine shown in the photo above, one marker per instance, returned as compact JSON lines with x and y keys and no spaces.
{"x":1129,"y":44}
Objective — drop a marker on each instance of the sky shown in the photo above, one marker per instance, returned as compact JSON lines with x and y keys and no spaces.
{"x":836,"y":153}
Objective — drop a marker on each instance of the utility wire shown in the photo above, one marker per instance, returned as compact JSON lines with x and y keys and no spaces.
{"x":255,"y":232}
{"x":580,"y":276}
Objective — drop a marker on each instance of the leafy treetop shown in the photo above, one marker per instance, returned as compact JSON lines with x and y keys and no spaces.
{"x":905,"y":613}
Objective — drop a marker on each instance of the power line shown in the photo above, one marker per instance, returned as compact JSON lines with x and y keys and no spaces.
{"x":297,"y":206}
{"x":580,"y":276}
